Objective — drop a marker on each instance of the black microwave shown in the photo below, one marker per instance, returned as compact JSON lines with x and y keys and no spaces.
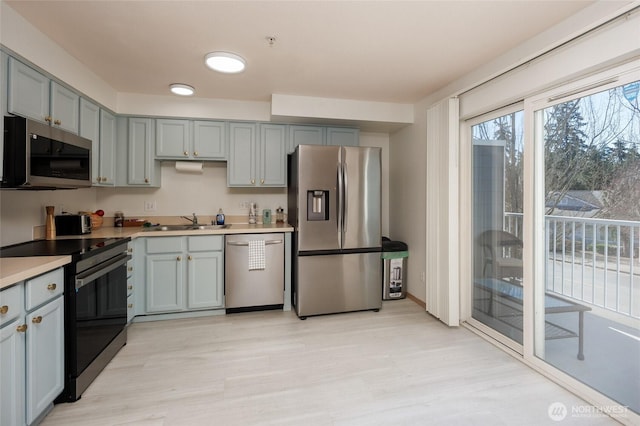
{"x":38,"y":156}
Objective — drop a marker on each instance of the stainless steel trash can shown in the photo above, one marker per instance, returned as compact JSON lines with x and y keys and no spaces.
{"x":394,"y":268}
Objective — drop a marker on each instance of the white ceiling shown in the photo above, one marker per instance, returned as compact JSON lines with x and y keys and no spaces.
{"x":387,"y":51}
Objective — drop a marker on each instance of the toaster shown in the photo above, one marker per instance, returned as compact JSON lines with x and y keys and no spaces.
{"x":73,"y":224}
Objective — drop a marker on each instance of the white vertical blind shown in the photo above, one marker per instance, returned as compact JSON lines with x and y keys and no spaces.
{"x":442,"y":248}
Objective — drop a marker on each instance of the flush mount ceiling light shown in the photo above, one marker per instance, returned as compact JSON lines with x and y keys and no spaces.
{"x":182,"y":89}
{"x":225,"y":62}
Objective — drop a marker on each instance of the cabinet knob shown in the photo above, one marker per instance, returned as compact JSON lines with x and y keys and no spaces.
{"x":261,"y":181}
{"x":178,"y":258}
{"x":48,"y":119}
{"x":130,"y":305}
{"x":146,"y":180}
{"x":21,"y":328}
{"x":51,"y":287}
{"x":4,"y":309}
{"x":190,"y":258}
{"x":129,"y":287}
{"x":57,"y":122}
{"x":195,"y":153}
{"x":253,"y":181}
{"x":130,"y":268}
{"x":130,"y":249}
{"x":186,"y":153}
{"x":37,"y":320}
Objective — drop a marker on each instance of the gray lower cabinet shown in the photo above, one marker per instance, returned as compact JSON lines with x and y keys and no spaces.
{"x":31,"y":347}
{"x":184,"y":273}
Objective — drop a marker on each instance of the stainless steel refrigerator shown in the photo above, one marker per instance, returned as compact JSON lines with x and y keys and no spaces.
{"x":334,"y":205}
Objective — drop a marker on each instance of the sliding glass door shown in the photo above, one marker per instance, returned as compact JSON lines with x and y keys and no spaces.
{"x":497,"y":225}
{"x":587,"y":286}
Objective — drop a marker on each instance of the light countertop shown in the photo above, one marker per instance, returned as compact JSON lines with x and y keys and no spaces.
{"x":16,"y":269}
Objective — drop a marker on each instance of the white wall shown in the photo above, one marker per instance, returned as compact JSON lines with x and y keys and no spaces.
{"x":408,"y":146}
{"x":20,"y":211}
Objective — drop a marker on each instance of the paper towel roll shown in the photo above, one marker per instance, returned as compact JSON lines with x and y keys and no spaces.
{"x":189,"y":166}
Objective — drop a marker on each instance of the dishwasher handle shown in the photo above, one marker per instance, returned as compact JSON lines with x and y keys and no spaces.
{"x":246,"y":244}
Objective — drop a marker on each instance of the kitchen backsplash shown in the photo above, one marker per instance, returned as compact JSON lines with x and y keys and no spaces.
{"x":180,"y":194}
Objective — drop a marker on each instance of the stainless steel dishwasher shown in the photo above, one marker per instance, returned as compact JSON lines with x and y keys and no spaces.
{"x":250,"y":285}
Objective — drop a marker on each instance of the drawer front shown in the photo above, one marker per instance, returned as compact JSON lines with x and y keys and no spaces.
{"x":164,"y":244}
{"x":43,"y":288}
{"x":10,"y":303}
{"x":205,"y":243}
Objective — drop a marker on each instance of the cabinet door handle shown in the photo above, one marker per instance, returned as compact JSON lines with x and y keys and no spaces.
{"x":253,"y":181}
{"x":186,"y":153}
{"x":190,"y":258}
{"x":130,"y":305}
{"x":21,"y":328}
{"x":57,"y":122}
{"x":48,"y":119}
{"x":130,"y":287}
{"x":195,"y":153}
{"x":130,"y":249}
{"x":51,"y":287}
{"x":261,"y":181}
{"x":146,"y":180}
{"x":37,"y":320}
{"x":4,"y":309}
{"x":178,"y":258}
{"x":130,"y":268}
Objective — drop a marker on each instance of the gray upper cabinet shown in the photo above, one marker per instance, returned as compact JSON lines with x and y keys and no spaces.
{"x":142,"y":169}
{"x":257,"y":161}
{"x":107,"y":148}
{"x":32,"y":94}
{"x":273,"y":155}
{"x":305,"y":135}
{"x":190,"y":140}
{"x":343,"y":136}
{"x":241,"y":166}
{"x":99,"y":126}
{"x":173,"y":139}
{"x":209,"y":140}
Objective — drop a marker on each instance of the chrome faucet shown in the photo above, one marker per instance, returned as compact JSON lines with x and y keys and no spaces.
{"x":193,"y":220}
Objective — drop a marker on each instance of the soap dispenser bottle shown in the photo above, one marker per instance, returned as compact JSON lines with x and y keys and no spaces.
{"x":220,"y":218}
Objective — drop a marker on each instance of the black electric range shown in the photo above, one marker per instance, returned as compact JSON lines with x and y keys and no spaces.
{"x":78,"y":248}
{"x":95,"y":303}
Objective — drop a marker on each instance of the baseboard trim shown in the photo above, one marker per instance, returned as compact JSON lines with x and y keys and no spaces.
{"x":417,"y":301}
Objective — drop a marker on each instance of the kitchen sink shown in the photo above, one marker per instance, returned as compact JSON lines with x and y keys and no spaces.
{"x":185,"y":227}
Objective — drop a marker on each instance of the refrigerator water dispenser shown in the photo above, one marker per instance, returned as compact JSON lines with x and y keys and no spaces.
{"x":317,"y":205}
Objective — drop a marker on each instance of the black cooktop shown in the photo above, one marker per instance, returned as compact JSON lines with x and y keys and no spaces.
{"x":79,"y":247}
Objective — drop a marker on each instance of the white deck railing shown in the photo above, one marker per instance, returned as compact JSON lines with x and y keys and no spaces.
{"x":595,"y":261}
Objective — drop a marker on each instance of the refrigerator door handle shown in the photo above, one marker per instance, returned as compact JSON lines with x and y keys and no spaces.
{"x":340,"y":207}
{"x":345,"y":198}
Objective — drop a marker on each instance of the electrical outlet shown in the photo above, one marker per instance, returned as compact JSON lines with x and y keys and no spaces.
{"x":150,"y":206}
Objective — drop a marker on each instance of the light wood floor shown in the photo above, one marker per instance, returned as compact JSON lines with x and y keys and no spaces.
{"x":395,"y":367}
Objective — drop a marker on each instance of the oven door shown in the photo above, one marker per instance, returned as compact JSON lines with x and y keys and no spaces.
{"x":100,"y":312}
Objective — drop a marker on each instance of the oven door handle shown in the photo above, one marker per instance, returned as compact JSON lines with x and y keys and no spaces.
{"x":101,"y":269}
